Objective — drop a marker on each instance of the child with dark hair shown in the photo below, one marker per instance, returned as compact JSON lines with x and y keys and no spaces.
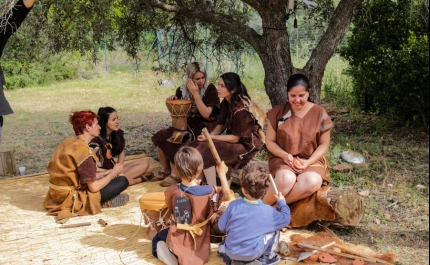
{"x":253,"y":242}
{"x":192,"y":205}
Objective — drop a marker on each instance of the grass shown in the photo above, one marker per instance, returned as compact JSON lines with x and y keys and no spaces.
{"x":397,"y":212}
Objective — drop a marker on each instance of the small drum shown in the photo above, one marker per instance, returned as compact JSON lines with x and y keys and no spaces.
{"x":216,"y":236}
{"x":179,"y":110}
{"x":155,"y":212}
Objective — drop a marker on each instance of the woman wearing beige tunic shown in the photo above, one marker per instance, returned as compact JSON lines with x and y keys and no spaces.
{"x":297,"y":137}
{"x":74,"y":189}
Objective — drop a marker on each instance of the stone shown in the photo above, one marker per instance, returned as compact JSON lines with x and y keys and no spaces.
{"x":343,"y":167}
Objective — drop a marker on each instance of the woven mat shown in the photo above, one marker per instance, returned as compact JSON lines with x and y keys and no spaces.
{"x":29,"y":236}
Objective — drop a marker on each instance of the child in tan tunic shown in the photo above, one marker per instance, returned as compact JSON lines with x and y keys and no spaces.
{"x":187,"y":240}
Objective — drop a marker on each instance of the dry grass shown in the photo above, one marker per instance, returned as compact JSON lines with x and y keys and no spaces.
{"x":397,"y":213}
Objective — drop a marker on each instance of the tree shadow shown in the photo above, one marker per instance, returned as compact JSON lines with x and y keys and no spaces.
{"x":125,"y":239}
{"x":26,"y":193}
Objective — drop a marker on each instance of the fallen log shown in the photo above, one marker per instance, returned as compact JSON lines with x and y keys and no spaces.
{"x":347,"y":204}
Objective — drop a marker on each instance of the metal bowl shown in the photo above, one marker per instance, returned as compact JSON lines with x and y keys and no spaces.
{"x":352,"y":157}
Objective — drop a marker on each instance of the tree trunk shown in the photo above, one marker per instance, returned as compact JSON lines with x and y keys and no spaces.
{"x":348,"y":206}
{"x":7,"y":163}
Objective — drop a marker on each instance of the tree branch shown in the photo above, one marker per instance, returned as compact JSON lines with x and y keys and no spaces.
{"x":338,"y":25}
{"x":256,"y":4}
{"x":225,"y":22}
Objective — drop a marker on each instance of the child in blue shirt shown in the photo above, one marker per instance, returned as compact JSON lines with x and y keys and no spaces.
{"x":252,"y":227}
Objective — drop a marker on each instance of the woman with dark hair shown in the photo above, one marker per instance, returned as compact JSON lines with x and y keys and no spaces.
{"x":203,"y":114}
{"x":297,"y":137}
{"x":110,"y":143}
{"x":74,"y":189}
{"x":236,"y":137}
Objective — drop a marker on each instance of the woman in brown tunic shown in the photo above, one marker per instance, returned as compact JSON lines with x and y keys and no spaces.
{"x":204,"y":113}
{"x":236,"y":137}
{"x":110,"y":143}
{"x":74,"y":189}
{"x":298,"y":136}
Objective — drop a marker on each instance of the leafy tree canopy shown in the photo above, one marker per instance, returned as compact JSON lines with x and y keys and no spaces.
{"x":388,"y":52}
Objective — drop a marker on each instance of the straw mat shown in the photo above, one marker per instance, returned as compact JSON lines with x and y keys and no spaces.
{"x":29,"y":236}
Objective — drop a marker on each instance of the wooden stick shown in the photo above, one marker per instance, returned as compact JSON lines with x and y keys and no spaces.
{"x":361,"y":255}
{"x":211,"y":146}
{"x":273,"y":184}
{"x":336,"y":253}
{"x":102,"y":222}
{"x":76,"y":225}
{"x":325,"y":246}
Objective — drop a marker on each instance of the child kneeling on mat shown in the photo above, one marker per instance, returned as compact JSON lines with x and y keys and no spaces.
{"x":192,"y":205}
{"x":252,"y":227}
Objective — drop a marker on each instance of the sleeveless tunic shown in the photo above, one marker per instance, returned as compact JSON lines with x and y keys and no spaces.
{"x":181,"y":242}
{"x":298,"y":136}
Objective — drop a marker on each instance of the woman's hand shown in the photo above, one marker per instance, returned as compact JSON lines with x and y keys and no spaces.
{"x":299,"y":165}
{"x":29,"y":3}
{"x":192,"y":87}
{"x":288,"y":159}
{"x":201,"y":138}
{"x":172,"y":97}
{"x":117,"y":169}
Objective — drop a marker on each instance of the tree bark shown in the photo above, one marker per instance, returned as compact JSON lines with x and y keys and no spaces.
{"x":348,"y":206}
{"x":7,"y":163}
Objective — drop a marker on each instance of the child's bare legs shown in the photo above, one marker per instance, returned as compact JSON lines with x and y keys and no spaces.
{"x":307,"y":184}
{"x":284,"y":180}
{"x":165,"y":164}
{"x":134,"y":170}
{"x":210,"y":174}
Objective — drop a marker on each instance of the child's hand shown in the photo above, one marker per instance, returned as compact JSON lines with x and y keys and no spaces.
{"x":221,"y":169}
{"x":280,"y":196}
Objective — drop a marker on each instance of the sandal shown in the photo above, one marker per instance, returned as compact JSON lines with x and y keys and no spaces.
{"x":117,"y":201}
{"x":160,"y":176}
{"x":169,"y":181}
{"x":147,"y":176}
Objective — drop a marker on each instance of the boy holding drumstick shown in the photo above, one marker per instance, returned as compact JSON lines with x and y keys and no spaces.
{"x":252,"y":227}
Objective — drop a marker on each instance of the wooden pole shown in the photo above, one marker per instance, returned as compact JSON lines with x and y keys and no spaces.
{"x":211,"y":146}
{"x":344,"y":249}
{"x":373,"y":260}
{"x":76,"y":225}
{"x":273,"y":184}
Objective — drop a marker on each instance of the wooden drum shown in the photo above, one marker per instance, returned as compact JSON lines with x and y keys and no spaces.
{"x":155,"y":212}
{"x":179,"y":110}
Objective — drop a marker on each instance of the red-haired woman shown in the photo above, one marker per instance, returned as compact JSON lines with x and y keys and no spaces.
{"x":74,"y":188}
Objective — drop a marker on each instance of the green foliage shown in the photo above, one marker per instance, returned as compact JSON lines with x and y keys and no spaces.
{"x":388,"y":53}
{"x":21,"y":74}
{"x":337,"y":89}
